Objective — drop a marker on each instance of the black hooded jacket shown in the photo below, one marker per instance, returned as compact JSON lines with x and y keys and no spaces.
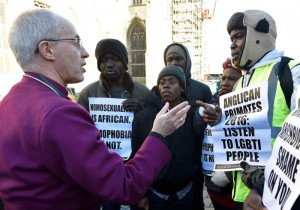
{"x":184,"y":145}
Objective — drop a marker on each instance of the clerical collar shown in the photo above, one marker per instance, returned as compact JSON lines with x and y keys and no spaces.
{"x":51,"y":84}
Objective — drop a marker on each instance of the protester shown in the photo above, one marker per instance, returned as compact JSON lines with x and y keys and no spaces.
{"x":172,"y":189}
{"x":114,"y":82}
{"x":177,"y":54}
{"x":51,"y":156}
{"x":221,"y":195}
{"x":253,"y":34}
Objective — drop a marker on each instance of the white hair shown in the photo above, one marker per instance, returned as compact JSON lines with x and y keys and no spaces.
{"x":29,"y":29}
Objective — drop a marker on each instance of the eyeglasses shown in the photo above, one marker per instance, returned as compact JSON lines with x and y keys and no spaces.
{"x":77,"y":42}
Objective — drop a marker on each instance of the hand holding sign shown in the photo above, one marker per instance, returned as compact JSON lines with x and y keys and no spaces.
{"x":251,"y":174}
{"x":211,"y":115}
{"x":132,"y":104}
{"x":166,"y":122}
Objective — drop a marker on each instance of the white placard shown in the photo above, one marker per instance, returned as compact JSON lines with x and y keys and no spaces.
{"x":282,"y":175}
{"x":114,"y":123}
{"x":244,"y":133}
{"x":207,"y":156}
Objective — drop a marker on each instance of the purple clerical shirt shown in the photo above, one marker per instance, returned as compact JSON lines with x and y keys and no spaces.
{"x":51,"y":155}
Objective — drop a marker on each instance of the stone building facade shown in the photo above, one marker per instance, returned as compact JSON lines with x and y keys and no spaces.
{"x":145,"y":27}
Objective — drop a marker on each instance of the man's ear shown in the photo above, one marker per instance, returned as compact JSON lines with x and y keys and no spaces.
{"x":46,"y":50}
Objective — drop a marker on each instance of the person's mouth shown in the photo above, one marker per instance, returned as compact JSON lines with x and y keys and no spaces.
{"x":83,"y":69}
{"x":234,"y":56}
{"x":110,"y":72}
{"x":166,"y":93}
{"x":225,"y":90}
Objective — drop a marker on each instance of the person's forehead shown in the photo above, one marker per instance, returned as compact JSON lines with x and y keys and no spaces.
{"x":238,"y":30}
{"x":231,"y":72}
{"x":110,"y":54}
{"x":67,"y":26}
{"x":169,"y":77}
{"x":173,"y":54}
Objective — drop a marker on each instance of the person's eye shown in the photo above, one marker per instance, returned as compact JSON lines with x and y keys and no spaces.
{"x":115,"y":59}
{"x":240,"y":36}
{"x":78,"y":42}
{"x":103,"y":60}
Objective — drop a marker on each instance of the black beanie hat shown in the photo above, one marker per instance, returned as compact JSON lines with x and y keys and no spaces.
{"x":173,"y":70}
{"x":236,"y":22}
{"x":113,"y":46}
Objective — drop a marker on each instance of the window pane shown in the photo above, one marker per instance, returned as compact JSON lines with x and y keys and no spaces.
{"x":138,"y":70}
{"x":137,"y":51}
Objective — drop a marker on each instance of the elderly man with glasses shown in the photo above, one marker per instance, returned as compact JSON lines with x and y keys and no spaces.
{"x":50,"y":153}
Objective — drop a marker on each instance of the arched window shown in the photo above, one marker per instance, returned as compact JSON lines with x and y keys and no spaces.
{"x":137,"y":50}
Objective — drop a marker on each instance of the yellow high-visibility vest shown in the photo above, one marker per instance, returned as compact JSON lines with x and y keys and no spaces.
{"x":277,"y":113}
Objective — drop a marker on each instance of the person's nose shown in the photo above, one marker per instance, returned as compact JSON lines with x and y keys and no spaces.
{"x":166,"y":85}
{"x":175,"y":62}
{"x":84,"y":53}
{"x":110,"y":63}
{"x":225,"y":82}
{"x":233,"y":45}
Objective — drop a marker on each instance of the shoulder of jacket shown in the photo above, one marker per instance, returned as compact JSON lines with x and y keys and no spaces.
{"x":91,"y":86}
{"x":293,"y":63}
{"x":140,"y":89}
{"x":94,"y":89}
{"x":198,"y":83}
{"x":139,"y":84}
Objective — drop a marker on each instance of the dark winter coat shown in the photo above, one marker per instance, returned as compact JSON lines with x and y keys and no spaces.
{"x":183,"y":143}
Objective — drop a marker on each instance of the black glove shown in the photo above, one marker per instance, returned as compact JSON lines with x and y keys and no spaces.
{"x":133,"y":104}
{"x":251,"y":174}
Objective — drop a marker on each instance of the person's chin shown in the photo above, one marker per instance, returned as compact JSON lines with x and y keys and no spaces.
{"x":78,"y":79}
{"x":236,"y":61}
{"x":112,"y":77}
{"x":223,"y":92}
{"x":166,"y":99}
{"x":81,"y":79}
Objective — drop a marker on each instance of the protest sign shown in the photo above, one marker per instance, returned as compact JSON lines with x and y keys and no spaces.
{"x":282,"y":175}
{"x":114,"y":124}
{"x":244,"y":132}
{"x":207,"y":156}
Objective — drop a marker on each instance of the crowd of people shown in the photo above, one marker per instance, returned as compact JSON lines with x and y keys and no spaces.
{"x":55,"y":155}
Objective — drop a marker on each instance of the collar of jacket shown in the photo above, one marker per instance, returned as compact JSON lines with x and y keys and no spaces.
{"x":127,"y":83}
